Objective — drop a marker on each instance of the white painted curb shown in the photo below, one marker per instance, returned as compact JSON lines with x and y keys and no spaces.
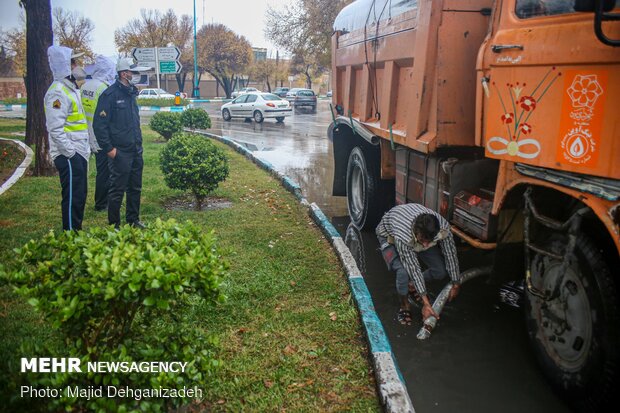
{"x":21,"y":169}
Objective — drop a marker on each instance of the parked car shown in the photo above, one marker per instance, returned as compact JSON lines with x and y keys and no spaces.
{"x":243,"y":91}
{"x":329,"y":94}
{"x":155,"y":94}
{"x":281,"y":91}
{"x":258,"y":106}
{"x":302,"y":97}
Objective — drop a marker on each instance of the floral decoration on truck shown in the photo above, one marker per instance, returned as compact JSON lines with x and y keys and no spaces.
{"x":516,"y":115}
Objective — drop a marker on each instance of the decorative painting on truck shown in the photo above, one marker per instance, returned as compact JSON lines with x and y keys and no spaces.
{"x":582,"y":118}
{"x":518,"y":106}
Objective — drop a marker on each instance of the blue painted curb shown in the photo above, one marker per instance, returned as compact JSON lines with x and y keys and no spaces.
{"x":390,"y":381}
{"x":14,"y":107}
{"x":164,"y":108}
{"x":208,"y":100}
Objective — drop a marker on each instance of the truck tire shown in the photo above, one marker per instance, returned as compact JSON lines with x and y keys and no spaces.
{"x":576,"y":336}
{"x":367,"y":196}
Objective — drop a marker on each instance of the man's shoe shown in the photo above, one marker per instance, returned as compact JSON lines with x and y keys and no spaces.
{"x":137,"y":224}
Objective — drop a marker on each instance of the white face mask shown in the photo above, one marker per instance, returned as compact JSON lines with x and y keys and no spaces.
{"x":78,"y":73}
{"x":134,"y":79}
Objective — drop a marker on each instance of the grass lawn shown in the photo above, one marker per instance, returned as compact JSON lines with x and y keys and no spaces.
{"x":289,"y":335}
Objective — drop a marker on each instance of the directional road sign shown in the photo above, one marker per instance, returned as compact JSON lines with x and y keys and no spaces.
{"x":170,"y":67}
{"x":168,"y":53}
{"x":147,"y":63}
{"x":143,"y":54}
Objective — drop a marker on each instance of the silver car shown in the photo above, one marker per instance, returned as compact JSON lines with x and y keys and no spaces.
{"x":257,"y":106}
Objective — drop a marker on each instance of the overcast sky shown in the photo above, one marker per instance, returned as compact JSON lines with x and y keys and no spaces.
{"x":245,"y":17}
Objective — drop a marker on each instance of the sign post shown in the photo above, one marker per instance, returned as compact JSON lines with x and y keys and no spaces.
{"x":164,"y":60}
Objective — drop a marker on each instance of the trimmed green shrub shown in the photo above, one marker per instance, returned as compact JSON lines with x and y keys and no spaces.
{"x":162,"y":102}
{"x":195,"y":118}
{"x":191,"y":162}
{"x":122,"y":296}
{"x":166,"y":124}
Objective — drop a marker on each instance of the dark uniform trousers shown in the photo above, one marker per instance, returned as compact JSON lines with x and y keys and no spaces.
{"x":125,"y":177}
{"x":73,"y":174}
{"x":102,"y":182}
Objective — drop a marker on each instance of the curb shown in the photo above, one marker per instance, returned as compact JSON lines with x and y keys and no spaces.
{"x":208,"y":100}
{"x":21,"y":169}
{"x":164,"y":108}
{"x":9,"y":108}
{"x":390,"y":382}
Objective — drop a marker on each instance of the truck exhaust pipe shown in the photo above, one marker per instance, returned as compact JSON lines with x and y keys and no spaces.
{"x":442,"y":298}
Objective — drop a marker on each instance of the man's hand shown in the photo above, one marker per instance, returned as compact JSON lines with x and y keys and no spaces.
{"x":427,"y":311}
{"x":112,"y":153}
{"x":454,"y":291}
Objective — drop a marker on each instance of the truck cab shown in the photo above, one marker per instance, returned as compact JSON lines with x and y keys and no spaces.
{"x":503,"y":117}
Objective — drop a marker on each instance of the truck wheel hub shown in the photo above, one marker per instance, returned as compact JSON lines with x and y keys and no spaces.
{"x":566,"y":321}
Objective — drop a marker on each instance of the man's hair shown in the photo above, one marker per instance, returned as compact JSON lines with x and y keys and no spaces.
{"x":425,"y":226}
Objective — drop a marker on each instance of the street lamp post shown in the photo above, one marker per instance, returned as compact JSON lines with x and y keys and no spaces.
{"x":196,"y":91}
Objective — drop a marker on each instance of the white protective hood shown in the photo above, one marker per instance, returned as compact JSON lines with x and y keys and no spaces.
{"x":103,"y":69}
{"x":59,"y":58}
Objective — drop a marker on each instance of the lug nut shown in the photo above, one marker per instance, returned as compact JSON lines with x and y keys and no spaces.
{"x":571,"y":287}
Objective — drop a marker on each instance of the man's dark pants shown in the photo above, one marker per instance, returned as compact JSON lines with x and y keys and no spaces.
{"x":102,"y":182}
{"x":125,"y":177}
{"x":73,"y":174}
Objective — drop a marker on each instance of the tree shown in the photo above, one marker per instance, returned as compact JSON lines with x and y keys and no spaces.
{"x":223,"y":54}
{"x":154,"y":29}
{"x":73,"y":30}
{"x":6,"y":64}
{"x":263,"y":71}
{"x":304,"y":29}
{"x":14,"y":43}
{"x":38,"y":79}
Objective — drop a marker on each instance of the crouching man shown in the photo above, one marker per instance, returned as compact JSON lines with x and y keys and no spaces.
{"x":410,"y":233}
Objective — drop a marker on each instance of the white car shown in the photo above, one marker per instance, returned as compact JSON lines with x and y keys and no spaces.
{"x":257,"y":106}
{"x":243,"y":91}
{"x":155,"y":94}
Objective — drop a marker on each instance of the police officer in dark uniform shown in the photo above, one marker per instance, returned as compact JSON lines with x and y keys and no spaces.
{"x":117,"y":128}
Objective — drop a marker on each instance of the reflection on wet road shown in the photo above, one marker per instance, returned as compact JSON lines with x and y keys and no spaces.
{"x":478,"y":358}
{"x":298,"y":147}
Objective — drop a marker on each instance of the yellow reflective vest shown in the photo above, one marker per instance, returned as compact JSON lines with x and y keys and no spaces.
{"x":91,"y":90}
{"x":66,"y":121}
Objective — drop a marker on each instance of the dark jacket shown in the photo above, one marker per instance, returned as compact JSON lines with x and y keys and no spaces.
{"x":116,"y":120}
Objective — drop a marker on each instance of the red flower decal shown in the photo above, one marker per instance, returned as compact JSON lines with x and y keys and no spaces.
{"x":527,"y":103}
{"x":526,"y":129}
{"x":508,"y":118}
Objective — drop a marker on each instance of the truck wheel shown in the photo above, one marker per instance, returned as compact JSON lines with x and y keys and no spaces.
{"x":575,"y":336}
{"x":226,"y":115}
{"x":367,"y":196}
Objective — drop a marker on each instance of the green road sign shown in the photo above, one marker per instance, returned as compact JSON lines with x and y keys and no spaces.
{"x":169,"y":66}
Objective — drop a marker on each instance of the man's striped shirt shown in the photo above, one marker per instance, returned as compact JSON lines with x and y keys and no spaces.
{"x":398,"y":222}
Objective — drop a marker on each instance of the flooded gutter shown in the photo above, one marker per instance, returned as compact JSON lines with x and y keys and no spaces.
{"x":431,"y":322}
{"x":390,"y":382}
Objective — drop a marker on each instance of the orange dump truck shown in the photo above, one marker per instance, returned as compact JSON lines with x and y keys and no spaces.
{"x":503,"y":116}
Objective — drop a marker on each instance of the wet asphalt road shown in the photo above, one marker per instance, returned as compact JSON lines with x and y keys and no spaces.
{"x":478,"y":358}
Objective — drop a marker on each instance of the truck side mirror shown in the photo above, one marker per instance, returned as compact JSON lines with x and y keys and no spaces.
{"x":601,"y":9}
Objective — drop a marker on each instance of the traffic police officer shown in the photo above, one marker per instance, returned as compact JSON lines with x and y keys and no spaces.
{"x":117,"y":129}
{"x":68,"y":133}
{"x":102,"y":75}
